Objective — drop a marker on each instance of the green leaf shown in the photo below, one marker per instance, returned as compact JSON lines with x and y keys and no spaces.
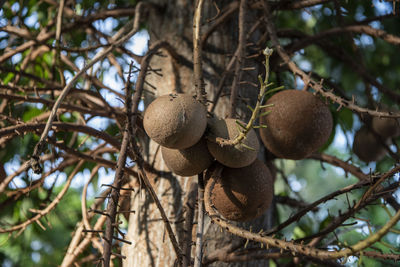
{"x":240,"y":124}
{"x":265,"y":113}
{"x":345,"y":117}
{"x":8,"y":78}
{"x":274,"y":90}
{"x":31,"y":113}
{"x":260,"y":126}
{"x":267,"y":106}
{"x":248,"y":147}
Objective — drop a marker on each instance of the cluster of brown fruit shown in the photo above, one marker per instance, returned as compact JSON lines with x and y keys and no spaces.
{"x":298,"y":124}
{"x":369,"y":142}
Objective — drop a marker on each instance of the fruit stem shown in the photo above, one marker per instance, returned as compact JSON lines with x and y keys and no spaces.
{"x":255,"y":112}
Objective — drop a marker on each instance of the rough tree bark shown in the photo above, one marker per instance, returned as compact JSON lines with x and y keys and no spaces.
{"x":172,"y":21}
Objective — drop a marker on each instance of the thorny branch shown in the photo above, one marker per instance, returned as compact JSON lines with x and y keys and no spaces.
{"x":317,"y":86}
{"x":118,"y":39}
{"x":89,"y":103}
{"x":115,"y":189}
{"x":197,"y":53}
{"x":135,"y":152}
{"x":291,"y":246}
{"x":241,"y":54}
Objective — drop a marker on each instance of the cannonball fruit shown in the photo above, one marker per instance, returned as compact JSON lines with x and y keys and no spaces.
{"x":189,"y":161}
{"x":367,"y":146}
{"x":297,"y":125}
{"x":386,"y":127}
{"x":175,"y":121}
{"x":242,"y":194}
{"x":232,"y":156}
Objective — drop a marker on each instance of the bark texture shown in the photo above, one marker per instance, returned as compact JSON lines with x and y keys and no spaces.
{"x":171,"y":21}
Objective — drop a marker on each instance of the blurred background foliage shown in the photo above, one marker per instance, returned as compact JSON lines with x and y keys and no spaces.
{"x":306,"y":180}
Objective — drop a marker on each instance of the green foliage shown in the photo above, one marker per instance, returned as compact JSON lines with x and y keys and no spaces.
{"x":35,"y":246}
{"x":334,"y":58}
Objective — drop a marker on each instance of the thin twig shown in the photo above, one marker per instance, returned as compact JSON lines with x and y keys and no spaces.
{"x":245,"y":129}
{"x":188,"y":225}
{"x":239,"y":60}
{"x":317,"y":86}
{"x":135,"y":149}
{"x":119,"y":173}
{"x":85,"y":219}
{"x":197,"y":54}
{"x":291,"y":246}
{"x":302,"y":212}
{"x":118,"y":39}
{"x":50,"y":207}
{"x":200,"y":221}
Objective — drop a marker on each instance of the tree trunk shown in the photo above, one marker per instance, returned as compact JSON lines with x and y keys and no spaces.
{"x":172,"y":21}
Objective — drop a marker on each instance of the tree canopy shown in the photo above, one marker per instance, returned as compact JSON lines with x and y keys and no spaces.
{"x":76,"y":77}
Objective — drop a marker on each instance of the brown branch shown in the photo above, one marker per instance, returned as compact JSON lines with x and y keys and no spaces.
{"x":135,"y":152}
{"x":302,"y":212}
{"x":390,"y":38}
{"x":239,"y":60}
{"x":200,"y":221}
{"x":230,"y":9}
{"x":342,"y":217}
{"x":298,"y":4}
{"x":317,"y":86}
{"x":85,"y":218}
{"x":188,"y":225}
{"x":14,"y":195}
{"x":43,"y":36}
{"x":262,"y":254}
{"x":340,"y":54}
{"x":291,"y":246}
{"x":51,"y":84}
{"x":114,"y":197}
{"x":197,"y":54}
{"x":50,"y":207}
{"x":92,"y":158}
{"x":378,"y":255}
{"x":375,"y":186}
{"x":24,"y":167}
{"x":347,"y":167}
{"x":50,"y":103}
{"x":221,"y":252}
{"x":59,"y":126}
{"x":118,"y":39}
{"x":75,"y":248}
{"x":243,"y":257}
{"x":227,"y":70}
{"x":115,"y":191}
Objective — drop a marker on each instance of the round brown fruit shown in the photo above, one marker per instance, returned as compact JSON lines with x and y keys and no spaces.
{"x":242,"y":194}
{"x":367,"y":146}
{"x":175,"y":121}
{"x":189,"y":161}
{"x":386,"y":127}
{"x":237,"y":156}
{"x":297,"y":125}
